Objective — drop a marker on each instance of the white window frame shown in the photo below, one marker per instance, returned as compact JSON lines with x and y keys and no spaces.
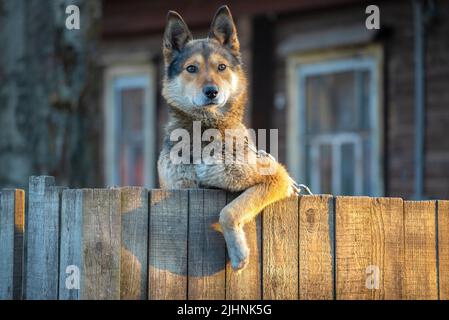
{"x":122,"y":77}
{"x":336,"y":141}
{"x":300,"y":66}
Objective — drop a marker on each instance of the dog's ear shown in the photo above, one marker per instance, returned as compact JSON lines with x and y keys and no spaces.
{"x":223,"y":29}
{"x":176,"y":35}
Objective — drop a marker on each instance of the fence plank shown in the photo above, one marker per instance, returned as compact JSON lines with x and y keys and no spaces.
{"x":443,"y":248}
{"x":12,"y":215}
{"x":19,"y":233}
{"x":245,"y":284}
{"x":71,"y":273}
{"x":420,"y":278}
{"x":90,"y":241}
{"x":134,"y":249}
{"x":280,"y":250}
{"x":316,"y":247}
{"x":353,"y":241}
{"x":6,"y":244}
{"x":206,"y":247}
{"x":42,"y":239}
{"x":369,"y":246}
{"x":101,"y":244}
{"x":387,"y":232}
{"x":168,"y":244}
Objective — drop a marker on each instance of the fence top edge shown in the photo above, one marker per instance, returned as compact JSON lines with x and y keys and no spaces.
{"x":321,"y":196}
{"x":12,"y":190}
{"x":421,"y":201}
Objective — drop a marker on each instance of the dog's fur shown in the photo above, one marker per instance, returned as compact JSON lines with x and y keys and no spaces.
{"x":183,"y":92}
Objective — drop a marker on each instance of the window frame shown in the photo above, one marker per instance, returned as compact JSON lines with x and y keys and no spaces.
{"x":301,"y":65}
{"x":128,"y":77}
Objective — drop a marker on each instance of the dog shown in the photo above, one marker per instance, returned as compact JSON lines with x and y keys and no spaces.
{"x":205,"y":82}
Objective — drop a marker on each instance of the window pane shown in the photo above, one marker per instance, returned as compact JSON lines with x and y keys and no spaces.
{"x":367,"y":166}
{"x":325,"y":169}
{"x":347,"y":169}
{"x":131,"y":137}
{"x":337,"y":102}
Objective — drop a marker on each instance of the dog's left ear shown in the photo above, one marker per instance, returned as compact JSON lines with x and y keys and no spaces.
{"x":223,"y":29}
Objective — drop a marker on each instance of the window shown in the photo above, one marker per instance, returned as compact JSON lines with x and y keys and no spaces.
{"x":130,"y":127}
{"x":334,"y":123}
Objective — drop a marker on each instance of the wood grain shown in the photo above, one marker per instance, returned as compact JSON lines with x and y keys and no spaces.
{"x":387,"y":245}
{"x":316,"y":247}
{"x":71,"y":260}
{"x":206,"y":247}
{"x":420,"y":277}
{"x":369,"y":248}
{"x":42,"y":239}
{"x":245,"y":285}
{"x":6,"y":244}
{"x":19,"y":234}
{"x":168,"y":244}
{"x":101,"y":244}
{"x":443,"y":248}
{"x":134,"y":246}
{"x":280,"y":250}
{"x":353,"y":247}
{"x":12,"y":214}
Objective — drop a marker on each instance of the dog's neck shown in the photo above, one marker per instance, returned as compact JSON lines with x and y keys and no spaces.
{"x":229,"y":116}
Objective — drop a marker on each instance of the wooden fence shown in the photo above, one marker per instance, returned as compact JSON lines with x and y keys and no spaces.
{"x":135,"y":243}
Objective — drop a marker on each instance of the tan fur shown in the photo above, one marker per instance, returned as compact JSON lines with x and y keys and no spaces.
{"x":259,"y":190}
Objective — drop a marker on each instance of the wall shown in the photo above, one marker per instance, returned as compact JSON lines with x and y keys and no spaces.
{"x":397,"y":37}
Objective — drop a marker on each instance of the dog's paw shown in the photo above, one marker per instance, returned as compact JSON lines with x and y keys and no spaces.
{"x":238,"y":250}
{"x":240,"y":264}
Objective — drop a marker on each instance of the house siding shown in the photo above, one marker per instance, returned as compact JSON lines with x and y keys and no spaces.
{"x":397,"y":38}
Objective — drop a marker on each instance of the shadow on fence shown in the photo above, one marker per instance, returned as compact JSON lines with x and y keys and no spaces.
{"x":135,"y":243}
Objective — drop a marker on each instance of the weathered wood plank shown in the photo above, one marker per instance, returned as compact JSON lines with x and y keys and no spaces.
{"x":101,"y":244}
{"x":316,"y":247}
{"x":42,"y":239}
{"x":387,"y":247}
{"x":19,"y":234}
{"x":353,"y":241}
{"x":420,"y":277}
{"x":12,"y":215}
{"x":280,"y":250}
{"x":90,"y":244}
{"x":71,"y":273}
{"x":7,"y":244}
{"x":168,"y":244}
{"x":369,"y":248}
{"x":206,"y":247}
{"x":134,"y":248}
{"x":443,"y":248}
{"x":245,"y":285}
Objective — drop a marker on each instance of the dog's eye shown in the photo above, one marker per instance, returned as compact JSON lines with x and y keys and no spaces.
{"x":191,"y":69}
{"x":221,"y":67}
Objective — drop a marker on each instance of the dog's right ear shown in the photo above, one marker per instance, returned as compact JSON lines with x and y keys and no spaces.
{"x":176,"y":35}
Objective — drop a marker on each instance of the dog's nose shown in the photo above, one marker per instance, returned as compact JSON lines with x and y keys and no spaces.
{"x":210,"y":91}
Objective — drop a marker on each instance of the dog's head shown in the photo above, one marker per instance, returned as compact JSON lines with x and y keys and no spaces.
{"x":203,"y":74}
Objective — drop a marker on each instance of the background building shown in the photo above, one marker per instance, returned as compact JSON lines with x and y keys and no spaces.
{"x":85,"y":105}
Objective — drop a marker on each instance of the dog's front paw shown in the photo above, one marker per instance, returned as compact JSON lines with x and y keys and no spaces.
{"x":238,"y":250}
{"x":240,"y":260}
